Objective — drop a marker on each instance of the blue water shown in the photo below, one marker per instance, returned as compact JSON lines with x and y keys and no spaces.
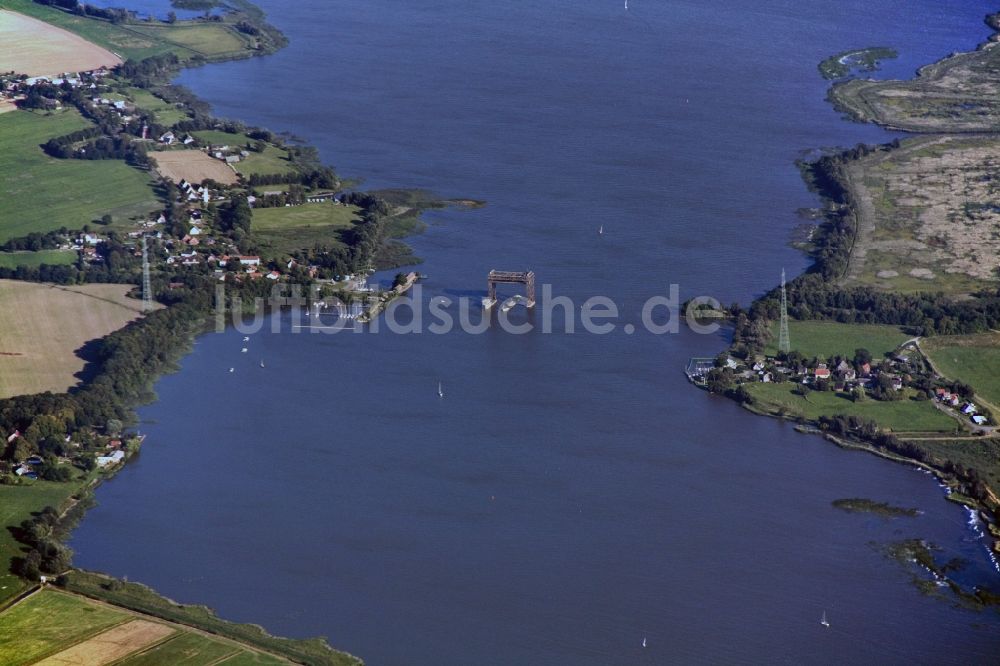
{"x":571,"y":494}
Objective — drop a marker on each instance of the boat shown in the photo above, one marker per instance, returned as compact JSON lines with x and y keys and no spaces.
{"x":232,"y":369}
{"x":244,"y":350}
{"x":440,"y":391}
{"x":600,"y":229}
{"x":262,"y":363}
{"x":824,"y":621}
{"x":643,"y":641}
{"x":246,"y":338}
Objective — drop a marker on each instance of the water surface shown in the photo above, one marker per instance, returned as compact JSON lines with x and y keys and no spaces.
{"x":571,"y":494}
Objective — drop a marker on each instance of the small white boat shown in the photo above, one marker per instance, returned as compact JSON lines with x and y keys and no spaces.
{"x":824,"y":621}
{"x":643,"y":638}
{"x":244,"y":350}
{"x":232,"y":369}
{"x":440,"y":391}
{"x":600,"y":230}
{"x":262,"y":363}
{"x":246,"y":338}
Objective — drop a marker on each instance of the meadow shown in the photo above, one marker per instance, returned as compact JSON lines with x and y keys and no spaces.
{"x":36,"y":48}
{"x":827,"y":338}
{"x":41,"y":193}
{"x":906,"y":415}
{"x":973,"y":359}
{"x":33,"y":259}
{"x":282,"y":230}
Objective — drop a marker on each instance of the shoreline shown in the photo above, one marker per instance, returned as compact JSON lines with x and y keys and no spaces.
{"x":80,"y":495}
{"x":835,"y":190}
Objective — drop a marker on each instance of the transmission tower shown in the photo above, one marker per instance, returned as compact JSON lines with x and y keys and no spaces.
{"x":784,"y":345}
{"x":147,"y":292}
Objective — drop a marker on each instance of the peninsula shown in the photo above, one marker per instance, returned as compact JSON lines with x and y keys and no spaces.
{"x":888,"y":341}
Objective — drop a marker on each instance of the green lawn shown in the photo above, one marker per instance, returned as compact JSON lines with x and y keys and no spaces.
{"x":973,"y":359}
{"x":280,"y":231}
{"x":48,"y":622}
{"x":17,"y":503}
{"x":40,"y":193}
{"x":52,"y":257}
{"x":272,"y":160}
{"x":826,"y":338}
{"x":906,"y":415}
{"x":165,"y":113}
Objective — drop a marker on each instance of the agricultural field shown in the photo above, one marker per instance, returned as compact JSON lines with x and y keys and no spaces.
{"x":972,"y":359}
{"x":54,"y":627}
{"x":34,"y":259}
{"x":928,"y":216}
{"x":828,"y":338}
{"x":50,"y":621}
{"x":271,"y":160}
{"x":194,"y":166}
{"x":40,"y":340}
{"x":136,"y":41}
{"x":280,"y":231}
{"x":906,"y":415}
{"x":41,"y":193}
{"x":35,"y":48}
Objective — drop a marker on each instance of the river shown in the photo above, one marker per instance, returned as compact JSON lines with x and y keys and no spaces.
{"x":570,"y":494}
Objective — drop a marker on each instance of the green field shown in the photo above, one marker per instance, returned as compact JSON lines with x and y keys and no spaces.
{"x":826,"y":338}
{"x":48,"y":622}
{"x":17,"y":503}
{"x":906,"y":415}
{"x":40,"y":193}
{"x":271,"y":160}
{"x":973,"y":359}
{"x":165,"y":113}
{"x":51,"y":620}
{"x":211,"y":40}
{"x":52,"y":257}
{"x":135,"y":41}
{"x":280,"y":231}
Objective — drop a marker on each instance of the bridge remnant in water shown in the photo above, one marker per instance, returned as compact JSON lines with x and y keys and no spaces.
{"x":527,"y":278}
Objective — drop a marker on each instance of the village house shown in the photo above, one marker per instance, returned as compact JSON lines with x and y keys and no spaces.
{"x":249,"y":260}
{"x":822,"y":372}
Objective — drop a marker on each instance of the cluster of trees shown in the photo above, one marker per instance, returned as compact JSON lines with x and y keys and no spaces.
{"x":45,"y":555}
{"x":114,"y":15}
{"x":36,"y":241}
{"x":320,"y":178}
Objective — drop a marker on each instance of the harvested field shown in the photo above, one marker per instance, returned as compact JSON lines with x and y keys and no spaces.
{"x":193,"y":166}
{"x":111,"y":645}
{"x":47,"y":326}
{"x":37,"y":48}
{"x":928,"y":215}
